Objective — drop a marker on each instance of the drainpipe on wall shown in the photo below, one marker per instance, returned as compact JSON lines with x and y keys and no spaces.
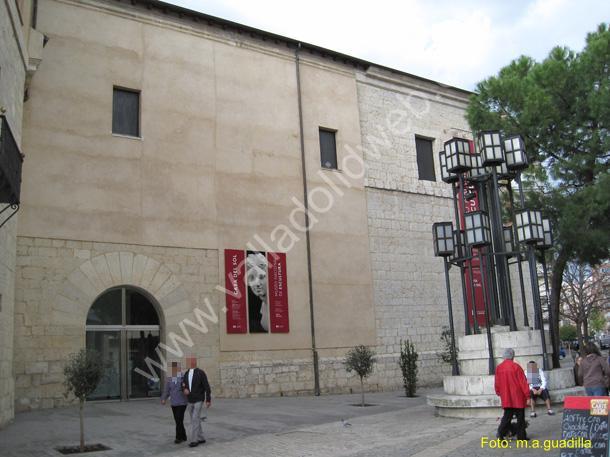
{"x":316,"y":369}
{"x":34,"y":14}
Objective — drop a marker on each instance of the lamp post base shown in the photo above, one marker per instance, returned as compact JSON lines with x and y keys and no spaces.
{"x":472,"y":394}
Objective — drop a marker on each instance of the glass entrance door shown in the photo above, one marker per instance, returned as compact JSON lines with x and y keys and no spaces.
{"x":108,"y":344}
{"x":141,"y":347}
{"x":123,"y":327}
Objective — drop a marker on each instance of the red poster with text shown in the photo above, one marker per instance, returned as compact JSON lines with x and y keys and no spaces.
{"x":478,"y":278}
{"x":278,"y":292}
{"x":235,"y":285}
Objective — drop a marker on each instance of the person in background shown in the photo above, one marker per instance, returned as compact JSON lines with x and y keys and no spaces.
{"x":576,"y":368}
{"x":537,"y":383}
{"x":594,"y":370}
{"x":196,"y":387}
{"x":511,"y":386}
{"x":177,"y":400}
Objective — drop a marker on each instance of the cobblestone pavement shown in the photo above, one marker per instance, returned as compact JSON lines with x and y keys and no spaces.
{"x":270,"y":427}
{"x":413,"y":432}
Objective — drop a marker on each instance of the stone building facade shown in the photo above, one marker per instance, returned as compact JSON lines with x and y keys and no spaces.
{"x":230,"y":122}
{"x":20,"y":54}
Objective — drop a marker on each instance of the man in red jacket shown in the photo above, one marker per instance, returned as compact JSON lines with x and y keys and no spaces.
{"x":512,"y":388}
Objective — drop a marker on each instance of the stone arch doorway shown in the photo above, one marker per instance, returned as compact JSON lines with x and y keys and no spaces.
{"x":124,"y":326}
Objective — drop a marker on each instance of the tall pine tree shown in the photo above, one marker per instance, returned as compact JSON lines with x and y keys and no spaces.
{"x":561,"y":106}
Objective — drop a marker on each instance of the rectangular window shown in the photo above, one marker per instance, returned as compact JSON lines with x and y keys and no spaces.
{"x":425,"y":159}
{"x":126,"y":112}
{"x":328,"y":149}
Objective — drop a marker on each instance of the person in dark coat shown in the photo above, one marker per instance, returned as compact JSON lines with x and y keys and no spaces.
{"x":174,"y":391}
{"x":197,"y":390}
{"x":512,"y":388}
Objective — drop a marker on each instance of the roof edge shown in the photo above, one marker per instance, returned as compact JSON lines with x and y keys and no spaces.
{"x":362,"y":64}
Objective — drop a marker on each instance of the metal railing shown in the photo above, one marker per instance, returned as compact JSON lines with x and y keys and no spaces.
{"x":11,"y":160}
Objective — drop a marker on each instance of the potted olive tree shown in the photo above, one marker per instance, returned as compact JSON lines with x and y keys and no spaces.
{"x":83,"y":372}
{"x":360,"y":359}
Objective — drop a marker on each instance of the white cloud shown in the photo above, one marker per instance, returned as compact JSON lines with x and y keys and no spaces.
{"x":454,"y":42}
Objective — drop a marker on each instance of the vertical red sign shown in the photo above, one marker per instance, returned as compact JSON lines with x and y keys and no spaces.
{"x":472,"y":204}
{"x":235,"y":285}
{"x":278,"y":292}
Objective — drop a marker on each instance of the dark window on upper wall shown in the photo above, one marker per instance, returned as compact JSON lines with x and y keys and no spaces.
{"x":126,"y":112}
{"x":425,"y":159}
{"x":328,"y":149}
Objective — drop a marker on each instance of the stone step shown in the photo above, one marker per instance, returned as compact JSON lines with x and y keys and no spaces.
{"x":485,"y":406}
{"x":559,"y":378}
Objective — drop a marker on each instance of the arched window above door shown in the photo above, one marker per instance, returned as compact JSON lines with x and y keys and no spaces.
{"x":122,"y":306}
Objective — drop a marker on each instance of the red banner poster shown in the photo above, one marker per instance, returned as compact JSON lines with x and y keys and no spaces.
{"x":235,"y":285}
{"x":278,"y":292}
{"x":472,"y":204}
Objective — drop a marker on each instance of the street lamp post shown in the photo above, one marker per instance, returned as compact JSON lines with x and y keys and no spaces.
{"x":543,"y":245}
{"x":530,"y":232}
{"x":444,"y":246}
{"x":478,"y":236}
{"x":492,"y":155}
{"x":481,"y":234}
{"x":453,"y":179}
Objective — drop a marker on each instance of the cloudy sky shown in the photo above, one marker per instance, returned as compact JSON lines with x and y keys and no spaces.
{"x":457,"y":42}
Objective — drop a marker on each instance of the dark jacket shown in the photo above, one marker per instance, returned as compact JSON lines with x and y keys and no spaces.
{"x":200,"y":388}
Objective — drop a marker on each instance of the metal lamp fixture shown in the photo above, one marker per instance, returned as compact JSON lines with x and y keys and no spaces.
{"x":529,"y":226}
{"x":547,"y":232}
{"x":477,"y":228}
{"x":478,"y":172}
{"x":502,"y":171}
{"x":446,"y":176}
{"x":509,"y":243}
{"x":490,"y":147}
{"x":458,"y":235}
{"x":444,"y":246}
{"x":444,"y":243}
{"x":457,"y":154}
{"x":514,"y":151}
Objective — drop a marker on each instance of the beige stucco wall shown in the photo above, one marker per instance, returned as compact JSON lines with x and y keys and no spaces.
{"x":218,"y":166}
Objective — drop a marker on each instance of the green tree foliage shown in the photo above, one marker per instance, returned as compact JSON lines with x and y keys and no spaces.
{"x":83,"y":373}
{"x":561,"y":106}
{"x":597,"y":321}
{"x":567,"y":333}
{"x":360,"y":359}
{"x":408,"y":367}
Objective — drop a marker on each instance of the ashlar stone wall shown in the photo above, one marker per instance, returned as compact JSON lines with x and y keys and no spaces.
{"x":12,"y":82}
{"x":409,"y":284}
{"x":58,"y":280}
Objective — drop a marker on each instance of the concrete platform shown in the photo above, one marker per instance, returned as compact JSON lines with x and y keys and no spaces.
{"x":560,"y":378}
{"x":473,"y":355}
{"x":472,"y":394}
{"x":486,"y":405}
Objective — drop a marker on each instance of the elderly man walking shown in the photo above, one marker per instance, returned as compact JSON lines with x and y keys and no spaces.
{"x":512,"y":388}
{"x":197,"y":389}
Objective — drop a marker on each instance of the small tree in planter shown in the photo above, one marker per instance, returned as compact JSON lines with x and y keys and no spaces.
{"x":83,"y":373}
{"x":408,"y":366}
{"x":360,"y":359}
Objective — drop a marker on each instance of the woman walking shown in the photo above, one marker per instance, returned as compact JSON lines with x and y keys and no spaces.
{"x":178,"y":401}
{"x":594,"y":371}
